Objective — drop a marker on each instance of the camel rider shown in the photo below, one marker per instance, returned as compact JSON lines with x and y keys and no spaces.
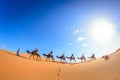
{"x":63,"y":54}
{"x":51,"y":53}
{"x":72,"y":56}
{"x":36,"y":50}
{"x":83,"y":57}
{"x":93,"y":55}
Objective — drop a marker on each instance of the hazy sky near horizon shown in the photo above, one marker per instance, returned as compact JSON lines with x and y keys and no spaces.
{"x":60,"y":25}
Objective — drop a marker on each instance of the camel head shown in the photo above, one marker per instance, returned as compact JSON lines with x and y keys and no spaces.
{"x":78,"y":58}
{"x":44,"y":54}
{"x":57,"y":56}
{"x":68,"y":57}
{"x":28,"y":51}
{"x":89,"y":57}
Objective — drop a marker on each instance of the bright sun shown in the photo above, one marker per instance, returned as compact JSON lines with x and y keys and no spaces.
{"x":101,"y":32}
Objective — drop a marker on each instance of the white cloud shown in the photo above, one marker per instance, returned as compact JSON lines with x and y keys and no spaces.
{"x":70,"y":44}
{"x":76,"y":31}
{"x":80,"y":39}
{"x":85,"y":45}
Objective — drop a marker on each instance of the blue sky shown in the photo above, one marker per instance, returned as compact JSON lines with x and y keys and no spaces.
{"x":58,"y":25}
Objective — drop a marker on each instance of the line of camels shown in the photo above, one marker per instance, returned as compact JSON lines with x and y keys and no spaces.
{"x":62,"y":58}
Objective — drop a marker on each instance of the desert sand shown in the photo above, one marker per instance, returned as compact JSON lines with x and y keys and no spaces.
{"x":13,"y":67}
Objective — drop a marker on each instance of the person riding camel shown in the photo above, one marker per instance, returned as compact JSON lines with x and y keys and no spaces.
{"x":93,"y":55}
{"x":51,"y":53}
{"x":63,"y":55}
{"x":72,"y":55}
{"x":83,"y":58}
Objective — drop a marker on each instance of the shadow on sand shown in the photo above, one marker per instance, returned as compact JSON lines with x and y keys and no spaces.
{"x":15,"y":55}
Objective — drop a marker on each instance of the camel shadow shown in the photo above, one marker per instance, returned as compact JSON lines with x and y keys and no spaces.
{"x":23,"y":57}
{"x":61,"y":62}
{"x":18,"y":56}
{"x":11,"y":53}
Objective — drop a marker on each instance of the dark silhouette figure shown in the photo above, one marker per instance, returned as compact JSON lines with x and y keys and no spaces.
{"x":49,"y":56}
{"x":33,"y":53}
{"x":92,"y":57}
{"x":17,"y":54}
{"x":62,"y":58}
{"x":106,"y":57}
{"x":82,"y":58}
{"x":71,"y":58}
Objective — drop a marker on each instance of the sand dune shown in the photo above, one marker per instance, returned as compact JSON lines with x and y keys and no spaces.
{"x":13,"y":67}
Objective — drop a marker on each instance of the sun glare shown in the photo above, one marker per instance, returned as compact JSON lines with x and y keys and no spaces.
{"x":101,"y":32}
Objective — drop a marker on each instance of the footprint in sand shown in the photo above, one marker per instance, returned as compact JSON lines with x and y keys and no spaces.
{"x":59,"y":72}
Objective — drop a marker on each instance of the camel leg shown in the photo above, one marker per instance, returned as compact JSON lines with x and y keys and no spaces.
{"x":46,"y":59}
{"x":64,"y":60}
{"x":33,"y":57}
{"x":61,"y":60}
{"x":52,"y":59}
{"x":70,"y":60}
{"x":74,"y":60}
{"x":30,"y":56}
{"x":84,"y":59}
{"x":81,"y":60}
{"x":39,"y":57}
{"x":95,"y":58}
{"x":49,"y":59}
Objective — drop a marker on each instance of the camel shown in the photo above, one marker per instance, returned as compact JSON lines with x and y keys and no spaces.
{"x":62,"y":58}
{"x":92,"y":57}
{"x":106,"y":57}
{"x":71,"y":58}
{"x":33,"y":53}
{"x":82,"y":58}
{"x":48,"y":56}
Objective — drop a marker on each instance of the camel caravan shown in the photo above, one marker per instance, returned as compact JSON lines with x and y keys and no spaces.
{"x":62,"y":58}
